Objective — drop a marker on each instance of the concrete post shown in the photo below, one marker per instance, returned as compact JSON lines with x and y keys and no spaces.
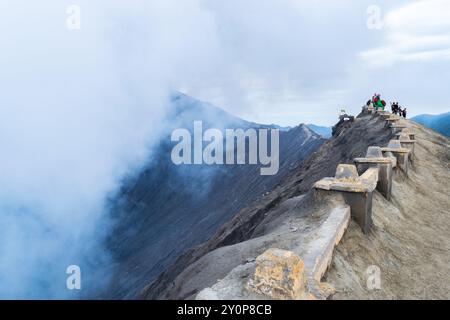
{"x":406,"y":142}
{"x":402,"y":154}
{"x":357,"y":191}
{"x":361,"y":208}
{"x":374,"y":158}
{"x":396,"y":128}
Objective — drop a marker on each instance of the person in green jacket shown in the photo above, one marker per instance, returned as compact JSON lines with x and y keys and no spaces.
{"x":378,"y":103}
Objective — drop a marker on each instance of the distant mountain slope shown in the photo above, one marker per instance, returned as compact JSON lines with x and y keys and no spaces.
{"x":169,"y":209}
{"x":320,"y":130}
{"x":439,"y":123}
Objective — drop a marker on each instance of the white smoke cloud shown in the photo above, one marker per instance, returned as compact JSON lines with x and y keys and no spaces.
{"x":78,"y":111}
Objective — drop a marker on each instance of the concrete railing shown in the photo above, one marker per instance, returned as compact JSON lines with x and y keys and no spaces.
{"x":282,"y":274}
{"x":357,"y":191}
{"x":412,"y":135}
{"x":407,"y":142}
{"x":356,"y":183}
{"x":385,"y":165}
{"x":290,"y":273}
{"x":376,"y":169}
{"x":402,"y":154}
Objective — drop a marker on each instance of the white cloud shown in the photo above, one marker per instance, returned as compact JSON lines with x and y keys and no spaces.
{"x":416,"y":32}
{"x":277,"y":56}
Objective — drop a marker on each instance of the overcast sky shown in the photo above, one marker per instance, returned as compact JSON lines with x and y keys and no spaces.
{"x":293,"y":61}
{"x":80,"y":108}
{"x":271,"y":61}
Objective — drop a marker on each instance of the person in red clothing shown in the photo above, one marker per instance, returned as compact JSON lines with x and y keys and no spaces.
{"x":375,"y":98}
{"x":377,"y":102}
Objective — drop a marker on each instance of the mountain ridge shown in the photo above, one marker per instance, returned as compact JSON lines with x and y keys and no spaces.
{"x":439,"y":123}
{"x":325,"y":132}
{"x":385,"y":246}
{"x":156,"y":211}
{"x":299,"y":181}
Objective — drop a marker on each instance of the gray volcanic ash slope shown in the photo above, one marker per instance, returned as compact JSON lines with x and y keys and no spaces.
{"x":409,"y":241}
{"x":168,"y":209}
{"x":348,"y":143}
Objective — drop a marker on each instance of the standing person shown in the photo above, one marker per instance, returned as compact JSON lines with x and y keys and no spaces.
{"x":404,"y":113}
{"x":374,"y":101}
{"x":394,"y":107}
{"x":377,"y":102}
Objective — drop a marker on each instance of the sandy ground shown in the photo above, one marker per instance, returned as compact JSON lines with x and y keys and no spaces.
{"x":410,"y":243}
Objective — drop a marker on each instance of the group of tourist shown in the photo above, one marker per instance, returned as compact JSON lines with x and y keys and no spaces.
{"x":397,"y":109}
{"x":380,"y":104}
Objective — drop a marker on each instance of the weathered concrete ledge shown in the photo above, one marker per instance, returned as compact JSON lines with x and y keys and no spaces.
{"x":406,"y":142}
{"x":397,"y":128}
{"x":357,"y":191}
{"x":402,"y":154}
{"x":391,"y":120}
{"x":412,"y":135}
{"x":286,"y":274}
{"x":319,"y":254}
{"x":386,"y":115}
{"x":347,"y":180}
{"x":279,"y":275}
{"x":391,"y":117}
{"x":374,"y":158}
{"x":391,"y":156}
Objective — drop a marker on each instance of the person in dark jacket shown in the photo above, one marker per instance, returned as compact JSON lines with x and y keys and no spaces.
{"x":394,"y":107}
{"x":404,"y":113}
